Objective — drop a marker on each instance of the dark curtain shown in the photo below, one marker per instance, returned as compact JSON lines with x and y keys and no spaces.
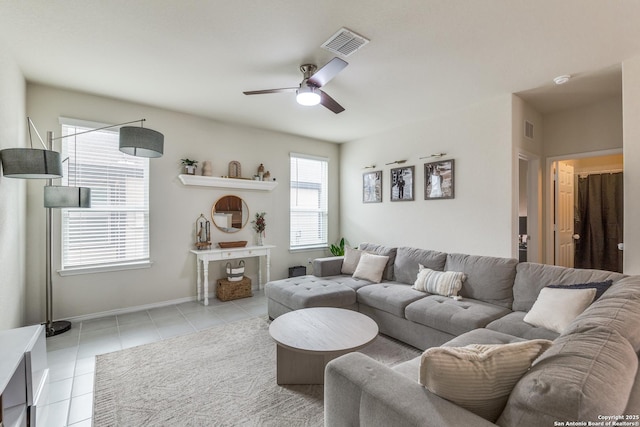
{"x":599,"y":222}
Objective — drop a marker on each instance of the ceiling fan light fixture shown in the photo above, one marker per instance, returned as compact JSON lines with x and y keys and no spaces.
{"x":308,"y":96}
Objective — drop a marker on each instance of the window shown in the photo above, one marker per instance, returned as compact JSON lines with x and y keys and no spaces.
{"x":114,"y":232}
{"x":309,"y":206}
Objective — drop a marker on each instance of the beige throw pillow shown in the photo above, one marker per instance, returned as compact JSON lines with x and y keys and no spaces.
{"x":554,"y":308}
{"x":371,"y":267}
{"x":478,"y":377}
{"x":350,"y":261}
{"x":445,"y":283}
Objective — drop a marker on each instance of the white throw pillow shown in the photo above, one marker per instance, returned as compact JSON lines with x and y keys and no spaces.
{"x":554,"y":309}
{"x":479,"y":377}
{"x":371,"y":267}
{"x":350,"y":261}
{"x":445,"y":283}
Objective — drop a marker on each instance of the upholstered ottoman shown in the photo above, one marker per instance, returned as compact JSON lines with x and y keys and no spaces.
{"x":299,"y":292}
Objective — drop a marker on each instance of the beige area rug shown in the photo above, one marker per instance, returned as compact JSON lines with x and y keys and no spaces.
{"x":223,"y":376}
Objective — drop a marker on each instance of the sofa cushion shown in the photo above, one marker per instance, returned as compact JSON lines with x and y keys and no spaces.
{"x":371,"y":267}
{"x":531,"y":278}
{"x":350,"y":281}
{"x":408,"y":259}
{"x":489,"y":279}
{"x":451,"y":316}
{"x":514,"y":324}
{"x":351,"y":259}
{"x":392,"y":297}
{"x":411,"y":368}
{"x":310,"y":291}
{"x":478,"y":377}
{"x":600,"y":287}
{"x":482,"y":336}
{"x":556,"y":308}
{"x":445,"y":283}
{"x":385,"y":251}
{"x":581,"y":377}
{"x":618,"y":309}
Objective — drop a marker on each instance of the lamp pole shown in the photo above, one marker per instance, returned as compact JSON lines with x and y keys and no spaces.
{"x":52,"y":328}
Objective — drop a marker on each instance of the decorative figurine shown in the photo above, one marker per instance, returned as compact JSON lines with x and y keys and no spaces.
{"x":261,"y":171}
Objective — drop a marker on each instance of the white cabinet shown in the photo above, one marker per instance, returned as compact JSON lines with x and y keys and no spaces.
{"x":23,"y":375}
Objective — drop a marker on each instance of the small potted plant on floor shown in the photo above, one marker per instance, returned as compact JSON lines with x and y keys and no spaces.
{"x":190,"y":166}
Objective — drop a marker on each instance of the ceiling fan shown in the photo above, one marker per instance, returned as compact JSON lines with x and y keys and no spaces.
{"x":309,"y":92}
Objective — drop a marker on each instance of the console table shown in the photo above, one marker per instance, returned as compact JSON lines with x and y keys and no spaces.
{"x":204,"y":257}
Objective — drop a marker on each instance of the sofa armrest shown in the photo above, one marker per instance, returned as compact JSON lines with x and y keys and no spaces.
{"x":359,"y":391}
{"x":329,"y":266}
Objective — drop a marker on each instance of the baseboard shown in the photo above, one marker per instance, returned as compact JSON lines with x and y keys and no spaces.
{"x":121,"y":311}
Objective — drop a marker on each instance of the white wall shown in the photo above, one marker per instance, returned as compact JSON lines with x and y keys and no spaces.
{"x":476,"y":221}
{"x":174,"y":208}
{"x":595,"y":127}
{"x":12,"y":198}
{"x":631,"y":152}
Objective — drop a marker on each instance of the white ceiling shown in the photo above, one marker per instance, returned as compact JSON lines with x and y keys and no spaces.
{"x":425,"y":56}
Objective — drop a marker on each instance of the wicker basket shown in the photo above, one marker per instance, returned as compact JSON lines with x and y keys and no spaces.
{"x":226,"y":290}
{"x":235,"y":274}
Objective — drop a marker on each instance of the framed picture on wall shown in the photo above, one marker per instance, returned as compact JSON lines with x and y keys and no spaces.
{"x":438,"y":180}
{"x":402,"y":183}
{"x":372,"y":187}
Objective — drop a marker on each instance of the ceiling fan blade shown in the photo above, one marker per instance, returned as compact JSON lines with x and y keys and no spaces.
{"x":329,"y":71}
{"x":330,"y":103}
{"x":261,"y":92}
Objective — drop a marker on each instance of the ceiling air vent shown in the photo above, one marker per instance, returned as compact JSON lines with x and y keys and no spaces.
{"x":528,"y":129}
{"x":344,"y":42}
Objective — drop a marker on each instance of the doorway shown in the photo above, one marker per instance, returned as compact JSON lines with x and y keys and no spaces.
{"x":587,"y":211}
{"x":528,"y":208}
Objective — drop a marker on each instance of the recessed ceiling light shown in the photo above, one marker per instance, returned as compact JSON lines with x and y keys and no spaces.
{"x":560,"y":80}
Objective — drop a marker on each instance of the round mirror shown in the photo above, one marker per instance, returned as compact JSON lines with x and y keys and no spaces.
{"x":230,"y":214}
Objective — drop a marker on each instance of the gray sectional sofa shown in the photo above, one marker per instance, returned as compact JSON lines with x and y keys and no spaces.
{"x":589,"y":373}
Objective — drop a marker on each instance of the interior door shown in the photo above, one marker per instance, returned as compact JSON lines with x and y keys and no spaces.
{"x":564,"y":213}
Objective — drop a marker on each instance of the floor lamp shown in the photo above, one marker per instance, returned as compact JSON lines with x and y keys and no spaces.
{"x":31,"y":163}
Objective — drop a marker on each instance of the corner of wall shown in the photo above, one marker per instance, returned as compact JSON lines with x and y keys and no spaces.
{"x":12,"y":197}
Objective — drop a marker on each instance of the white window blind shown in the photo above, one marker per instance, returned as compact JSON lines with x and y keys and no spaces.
{"x":309,"y":202}
{"x":115,"y":230}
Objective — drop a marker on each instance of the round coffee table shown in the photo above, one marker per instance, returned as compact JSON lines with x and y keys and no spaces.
{"x":308,"y":339}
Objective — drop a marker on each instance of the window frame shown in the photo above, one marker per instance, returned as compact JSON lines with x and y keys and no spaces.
{"x":323,"y":212}
{"x":69,"y":270}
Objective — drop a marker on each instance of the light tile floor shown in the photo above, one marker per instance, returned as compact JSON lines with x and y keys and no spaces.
{"x":71,"y":355}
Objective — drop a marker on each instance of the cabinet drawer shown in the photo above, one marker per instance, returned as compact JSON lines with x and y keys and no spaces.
{"x":243,"y":253}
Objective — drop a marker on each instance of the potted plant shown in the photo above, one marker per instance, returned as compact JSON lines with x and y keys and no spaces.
{"x":337,"y":250}
{"x":190,"y":166}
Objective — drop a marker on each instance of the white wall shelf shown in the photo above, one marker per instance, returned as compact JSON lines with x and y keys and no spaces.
{"x":233,"y":183}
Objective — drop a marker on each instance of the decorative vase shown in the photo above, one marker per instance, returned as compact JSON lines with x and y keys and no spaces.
{"x":207,"y":169}
{"x":259,"y":239}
